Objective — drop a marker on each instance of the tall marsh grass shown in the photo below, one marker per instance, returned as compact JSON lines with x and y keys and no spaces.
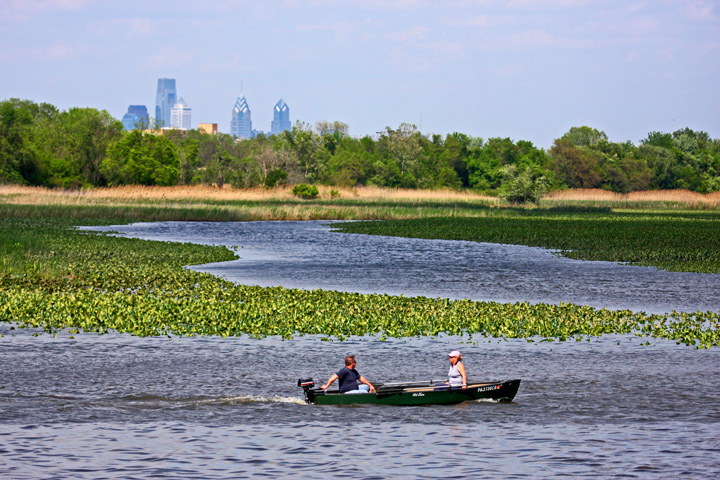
{"x":634,"y":200}
{"x":228,"y":194}
{"x":138,"y":203}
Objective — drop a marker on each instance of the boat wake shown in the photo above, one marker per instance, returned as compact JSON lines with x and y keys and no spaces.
{"x":161,"y":402}
{"x":262,"y":399}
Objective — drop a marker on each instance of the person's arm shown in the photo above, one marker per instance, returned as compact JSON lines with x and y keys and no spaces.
{"x":329,"y":382}
{"x":362,"y":379}
{"x":461,"y":370}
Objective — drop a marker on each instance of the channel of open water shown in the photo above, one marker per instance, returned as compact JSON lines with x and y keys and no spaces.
{"x":116,"y":406}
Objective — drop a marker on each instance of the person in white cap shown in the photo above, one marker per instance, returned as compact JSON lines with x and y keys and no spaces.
{"x":457,"y":376}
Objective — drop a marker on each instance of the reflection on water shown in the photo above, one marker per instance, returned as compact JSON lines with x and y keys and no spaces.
{"x":116,"y":406}
{"x":309,"y":255}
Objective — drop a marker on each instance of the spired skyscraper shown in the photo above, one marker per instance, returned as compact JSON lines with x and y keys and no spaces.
{"x":165,"y":99}
{"x":240,"y":123}
{"x":180,"y":115}
{"x":281,"y":118}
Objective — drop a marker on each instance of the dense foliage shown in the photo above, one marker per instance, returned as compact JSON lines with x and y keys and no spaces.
{"x":40,"y":145}
{"x":55,"y":278}
{"x":303,"y":190}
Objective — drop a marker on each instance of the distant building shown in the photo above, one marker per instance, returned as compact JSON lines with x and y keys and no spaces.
{"x":209,"y":128}
{"x":129,"y":121}
{"x":281,"y":118}
{"x":165,"y":99}
{"x":136,"y":114}
{"x":165,"y":130}
{"x":240,"y":122}
{"x":180,"y":116}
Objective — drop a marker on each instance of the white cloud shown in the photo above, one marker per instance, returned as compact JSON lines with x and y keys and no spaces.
{"x":172,"y":58}
{"x":467,"y":21}
{"x":410,"y":35}
{"x":57,"y":52}
{"x":29,"y":10}
{"x":135,"y":27}
{"x":535,"y":5}
{"x":426,"y":56}
{"x":538,"y":38}
{"x":700,"y":11}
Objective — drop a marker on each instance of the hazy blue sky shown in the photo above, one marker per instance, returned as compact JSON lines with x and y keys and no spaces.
{"x":524,"y":69}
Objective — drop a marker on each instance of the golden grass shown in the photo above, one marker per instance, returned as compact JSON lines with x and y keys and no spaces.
{"x":367,"y":202}
{"x":664,"y":197}
{"x":41,"y":195}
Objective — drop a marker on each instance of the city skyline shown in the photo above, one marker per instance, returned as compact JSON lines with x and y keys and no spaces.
{"x":181,"y":114}
{"x":519,"y":69}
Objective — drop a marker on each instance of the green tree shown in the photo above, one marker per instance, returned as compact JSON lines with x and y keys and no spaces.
{"x":18,"y":163}
{"x":575,"y":166}
{"x":88,"y":134}
{"x":308,"y":149}
{"x":141,"y":159}
{"x":584,"y":136}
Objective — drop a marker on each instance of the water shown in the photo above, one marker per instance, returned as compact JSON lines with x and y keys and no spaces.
{"x":309,"y":255}
{"x":115,"y":406}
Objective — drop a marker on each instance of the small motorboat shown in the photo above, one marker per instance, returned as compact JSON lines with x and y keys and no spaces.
{"x":432,"y":392}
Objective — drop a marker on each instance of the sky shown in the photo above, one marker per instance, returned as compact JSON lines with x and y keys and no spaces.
{"x":523,"y":69}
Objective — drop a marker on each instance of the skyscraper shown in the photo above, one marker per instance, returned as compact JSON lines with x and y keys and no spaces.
{"x":281,"y":118}
{"x":136,"y":114}
{"x":165,"y":99}
{"x":180,"y":115}
{"x":240,"y":123}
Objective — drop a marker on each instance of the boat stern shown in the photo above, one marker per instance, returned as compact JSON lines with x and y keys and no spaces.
{"x":308,"y":386}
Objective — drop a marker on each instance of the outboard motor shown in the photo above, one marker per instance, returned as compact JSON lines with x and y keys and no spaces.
{"x":308,"y":385}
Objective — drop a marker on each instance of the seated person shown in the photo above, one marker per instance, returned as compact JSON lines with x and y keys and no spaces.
{"x":456,"y":375}
{"x":349,"y":378}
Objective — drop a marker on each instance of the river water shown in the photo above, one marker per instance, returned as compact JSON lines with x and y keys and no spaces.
{"x":116,"y":406}
{"x":310,"y":255}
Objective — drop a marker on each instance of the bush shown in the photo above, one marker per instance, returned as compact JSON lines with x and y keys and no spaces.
{"x":305,"y":191}
{"x":523,"y":186}
{"x":276,"y":177}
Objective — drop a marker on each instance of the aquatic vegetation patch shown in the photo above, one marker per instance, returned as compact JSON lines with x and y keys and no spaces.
{"x":54,"y":278}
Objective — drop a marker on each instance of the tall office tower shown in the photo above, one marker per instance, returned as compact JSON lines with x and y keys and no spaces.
{"x":240,"y":123}
{"x":281,"y":118}
{"x":136,"y":115}
{"x":165,"y":99}
{"x":180,"y":115}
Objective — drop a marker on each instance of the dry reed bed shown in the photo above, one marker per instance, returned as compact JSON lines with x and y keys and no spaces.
{"x":205,"y":192}
{"x":182,"y":196}
{"x":680,"y":197}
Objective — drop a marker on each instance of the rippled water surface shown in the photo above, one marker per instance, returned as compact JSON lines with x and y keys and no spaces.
{"x":309,"y":255}
{"x":115,"y":406}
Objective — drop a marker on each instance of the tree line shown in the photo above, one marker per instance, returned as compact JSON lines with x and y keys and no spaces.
{"x":83,"y":147}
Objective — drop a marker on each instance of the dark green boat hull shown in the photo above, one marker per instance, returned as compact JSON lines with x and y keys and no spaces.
{"x":413,"y":394}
